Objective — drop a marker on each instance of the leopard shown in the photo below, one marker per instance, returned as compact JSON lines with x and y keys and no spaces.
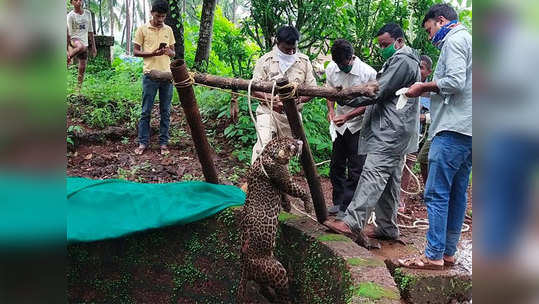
{"x":267,"y":180}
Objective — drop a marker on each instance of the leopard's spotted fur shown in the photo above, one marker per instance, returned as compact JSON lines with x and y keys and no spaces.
{"x":259,"y":217}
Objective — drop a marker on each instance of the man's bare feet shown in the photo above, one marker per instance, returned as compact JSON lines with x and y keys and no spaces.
{"x":140,"y":149}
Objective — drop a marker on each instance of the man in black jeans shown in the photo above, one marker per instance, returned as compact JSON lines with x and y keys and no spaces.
{"x":344,"y":71}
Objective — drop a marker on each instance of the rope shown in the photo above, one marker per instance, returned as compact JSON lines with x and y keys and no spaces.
{"x":419,"y":188}
{"x":422,"y":224}
{"x":291,"y":94}
{"x":187,"y":82}
{"x":303,"y":212}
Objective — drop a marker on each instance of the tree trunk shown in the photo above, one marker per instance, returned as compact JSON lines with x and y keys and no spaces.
{"x":366,"y":89}
{"x":144,"y":10}
{"x":175,"y":21}
{"x":204,"y":35}
{"x":101,"y":16}
{"x":127,"y":28}
{"x":133,"y":26}
{"x":123,"y":35}
{"x":234,"y":6}
{"x":111,"y":17}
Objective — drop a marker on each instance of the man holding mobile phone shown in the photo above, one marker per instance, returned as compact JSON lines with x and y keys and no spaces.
{"x":154,"y":42}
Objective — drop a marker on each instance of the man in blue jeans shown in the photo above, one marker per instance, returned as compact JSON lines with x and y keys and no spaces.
{"x":450,"y":156}
{"x":154,"y":41}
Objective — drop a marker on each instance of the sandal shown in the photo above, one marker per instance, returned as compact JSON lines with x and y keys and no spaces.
{"x":336,"y":227}
{"x":164,"y":150}
{"x":419,"y":262}
{"x":140,"y":149}
{"x":449,"y":263}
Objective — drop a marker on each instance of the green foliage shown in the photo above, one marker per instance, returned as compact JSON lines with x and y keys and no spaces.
{"x":232,"y":54}
{"x":404,"y":281}
{"x":71,"y":130}
{"x":114,"y":93}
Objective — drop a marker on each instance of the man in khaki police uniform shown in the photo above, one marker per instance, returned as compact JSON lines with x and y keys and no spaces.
{"x":284,"y":60}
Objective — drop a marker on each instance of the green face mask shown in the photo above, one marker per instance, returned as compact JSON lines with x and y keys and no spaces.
{"x":346,"y":68}
{"x":389,"y":51}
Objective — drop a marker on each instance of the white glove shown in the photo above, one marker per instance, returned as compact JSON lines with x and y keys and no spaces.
{"x":402,"y":98}
{"x":332,"y":131}
{"x":427,"y":118}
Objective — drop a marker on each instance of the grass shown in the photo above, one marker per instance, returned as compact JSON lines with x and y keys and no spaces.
{"x":330,"y":237}
{"x":374,"y":291}
{"x":364,"y":262}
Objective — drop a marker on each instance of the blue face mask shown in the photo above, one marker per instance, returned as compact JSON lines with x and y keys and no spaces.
{"x":441,"y":33}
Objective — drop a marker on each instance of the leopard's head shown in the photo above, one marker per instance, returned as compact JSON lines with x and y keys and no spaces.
{"x":282,"y":149}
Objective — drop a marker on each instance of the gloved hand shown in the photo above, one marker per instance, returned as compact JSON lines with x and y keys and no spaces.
{"x":402,"y":98}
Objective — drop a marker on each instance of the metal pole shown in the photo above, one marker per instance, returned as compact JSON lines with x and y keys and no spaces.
{"x":307,"y":161}
{"x":198,"y":132}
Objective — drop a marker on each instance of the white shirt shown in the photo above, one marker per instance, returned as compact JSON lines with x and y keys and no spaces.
{"x":361,"y":73}
{"x":80,"y":25}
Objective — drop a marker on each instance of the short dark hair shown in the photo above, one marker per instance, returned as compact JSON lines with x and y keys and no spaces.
{"x":287,"y":34}
{"x":438,"y":10}
{"x":427,"y":60}
{"x":341,"y":50}
{"x":160,"y":7}
{"x":394,"y":30}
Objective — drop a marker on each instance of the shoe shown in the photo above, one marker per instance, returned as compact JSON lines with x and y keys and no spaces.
{"x":364,"y":241}
{"x":334,"y":210}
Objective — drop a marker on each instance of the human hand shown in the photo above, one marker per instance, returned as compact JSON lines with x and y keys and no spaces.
{"x":278,"y":107}
{"x":169,"y":52}
{"x":93,"y":52}
{"x":340,"y":120}
{"x":371,"y":88}
{"x":158,"y":52}
{"x":331,"y":115}
{"x":415,"y":90}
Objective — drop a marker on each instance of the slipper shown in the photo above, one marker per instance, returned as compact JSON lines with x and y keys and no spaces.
{"x":164,"y":150}
{"x":140,"y":149}
{"x":419,"y":262}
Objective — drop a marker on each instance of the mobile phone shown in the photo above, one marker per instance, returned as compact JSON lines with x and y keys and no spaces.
{"x":162,"y":45}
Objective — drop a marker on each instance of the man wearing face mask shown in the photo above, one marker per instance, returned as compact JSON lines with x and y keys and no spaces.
{"x":283,"y":61}
{"x":346,"y":70}
{"x":388,"y":133}
{"x":450,"y":156}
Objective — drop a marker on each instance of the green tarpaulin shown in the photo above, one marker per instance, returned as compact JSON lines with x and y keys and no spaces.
{"x":102,"y":209}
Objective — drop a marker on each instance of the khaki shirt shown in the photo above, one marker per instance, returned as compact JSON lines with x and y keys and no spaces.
{"x":267,"y":69}
{"x":149,"y":38}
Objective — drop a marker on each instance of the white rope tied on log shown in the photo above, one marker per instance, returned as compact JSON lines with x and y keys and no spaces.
{"x":289,"y":95}
{"x":187,"y":82}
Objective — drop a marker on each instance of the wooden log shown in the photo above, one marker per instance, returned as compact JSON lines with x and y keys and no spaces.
{"x":368,"y":89}
{"x":198,"y":132}
{"x":307,"y":160}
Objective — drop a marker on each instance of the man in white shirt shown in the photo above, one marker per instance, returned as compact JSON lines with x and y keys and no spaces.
{"x":80,"y":34}
{"x":346,"y":70}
